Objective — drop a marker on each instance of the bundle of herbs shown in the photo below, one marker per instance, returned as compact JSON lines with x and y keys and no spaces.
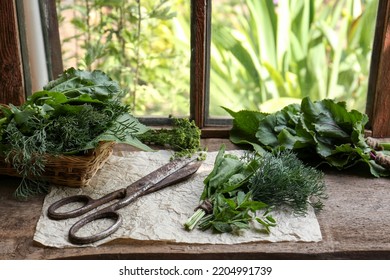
{"x":183,"y":137}
{"x":70,"y":116}
{"x":317,"y":132}
{"x":240,"y":190}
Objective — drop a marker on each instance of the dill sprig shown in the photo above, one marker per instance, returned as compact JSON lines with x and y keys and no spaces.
{"x":27,"y":156}
{"x":31,"y":187}
{"x":282,"y":179}
{"x":26,"y":149}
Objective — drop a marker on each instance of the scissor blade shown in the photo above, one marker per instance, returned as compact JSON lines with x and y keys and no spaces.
{"x":161,"y":177}
{"x":179,"y":176}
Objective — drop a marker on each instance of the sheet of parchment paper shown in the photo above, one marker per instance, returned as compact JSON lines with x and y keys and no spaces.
{"x":160,"y":216}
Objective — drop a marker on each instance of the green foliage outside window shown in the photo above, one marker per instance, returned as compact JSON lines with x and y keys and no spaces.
{"x":264,"y":54}
{"x":137,"y":43}
{"x":274,"y":53}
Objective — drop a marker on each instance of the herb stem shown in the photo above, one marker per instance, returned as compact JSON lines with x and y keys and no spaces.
{"x":385,"y":146}
{"x":194,"y":219}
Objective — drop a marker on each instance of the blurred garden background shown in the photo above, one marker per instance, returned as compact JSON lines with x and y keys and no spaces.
{"x":265,"y":54}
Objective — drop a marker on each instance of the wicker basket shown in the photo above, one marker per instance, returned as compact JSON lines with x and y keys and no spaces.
{"x":69,"y":171}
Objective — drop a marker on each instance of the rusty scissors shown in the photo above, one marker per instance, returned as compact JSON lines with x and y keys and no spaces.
{"x":169,"y":174}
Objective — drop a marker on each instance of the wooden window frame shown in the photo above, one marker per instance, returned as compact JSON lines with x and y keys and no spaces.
{"x":14,"y":77}
{"x":378,"y":95}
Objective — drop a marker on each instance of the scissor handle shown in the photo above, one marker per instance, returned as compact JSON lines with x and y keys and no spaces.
{"x":89,"y":204}
{"x":106,"y":213}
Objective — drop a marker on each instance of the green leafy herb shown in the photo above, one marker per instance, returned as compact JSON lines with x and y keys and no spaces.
{"x":70,"y":116}
{"x":74,"y":83}
{"x":183,"y":137}
{"x":318,"y":132}
{"x":282,"y":179}
{"x":238,"y":187}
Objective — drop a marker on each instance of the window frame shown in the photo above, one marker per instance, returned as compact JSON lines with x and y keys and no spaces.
{"x":378,"y":93}
{"x":200,"y":72}
{"x":12,"y":29}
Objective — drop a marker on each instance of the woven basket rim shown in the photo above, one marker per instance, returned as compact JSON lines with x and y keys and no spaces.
{"x":69,"y":170}
{"x":72,"y":170}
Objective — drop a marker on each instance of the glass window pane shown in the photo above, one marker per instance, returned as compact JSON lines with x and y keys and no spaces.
{"x":267,"y":54}
{"x":144,"y":45}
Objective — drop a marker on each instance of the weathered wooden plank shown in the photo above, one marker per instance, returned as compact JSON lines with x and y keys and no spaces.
{"x":349,"y":228}
{"x":11,"y":69}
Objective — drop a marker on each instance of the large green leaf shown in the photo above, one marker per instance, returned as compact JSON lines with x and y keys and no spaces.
{"x":245,"y":125}
{"x":274,"y":124}
{"x":322,"y":131}
{"x":74,"y":83}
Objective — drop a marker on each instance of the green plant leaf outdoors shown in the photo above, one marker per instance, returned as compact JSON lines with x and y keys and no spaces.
{"x":266,"y":54}
{"x":275,"y":50}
